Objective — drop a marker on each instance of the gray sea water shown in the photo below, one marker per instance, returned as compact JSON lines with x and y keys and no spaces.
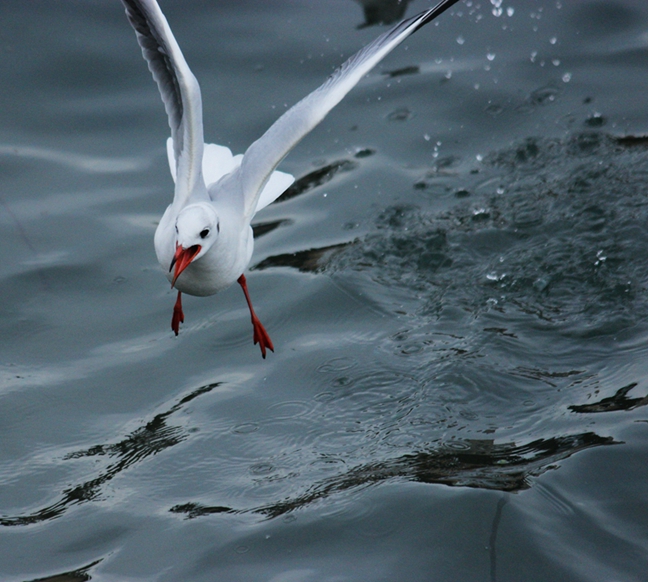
{"x":456,"y":288}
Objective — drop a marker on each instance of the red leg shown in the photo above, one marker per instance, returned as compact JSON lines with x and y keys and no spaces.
{"x":261,"y":336}
{"x":178,"y":316}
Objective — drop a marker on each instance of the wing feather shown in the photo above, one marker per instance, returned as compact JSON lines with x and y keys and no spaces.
{"x":178,"y":87}
{"x":265,"y":154}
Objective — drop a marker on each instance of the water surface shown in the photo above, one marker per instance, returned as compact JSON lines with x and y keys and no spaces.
{"x":455,"y":287}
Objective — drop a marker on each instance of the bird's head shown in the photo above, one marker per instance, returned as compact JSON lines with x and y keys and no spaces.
{"x":197,"y":229}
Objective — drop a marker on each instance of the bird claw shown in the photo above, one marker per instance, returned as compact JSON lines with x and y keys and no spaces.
{"x":178,"y":315}
{"x":261,"y":337}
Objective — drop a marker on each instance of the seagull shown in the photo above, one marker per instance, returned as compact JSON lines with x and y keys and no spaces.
{"x":204,"y":240}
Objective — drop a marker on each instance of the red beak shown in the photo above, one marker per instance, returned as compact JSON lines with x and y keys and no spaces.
{"x":182,"y":259}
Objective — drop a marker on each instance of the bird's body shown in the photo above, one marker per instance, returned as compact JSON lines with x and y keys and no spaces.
{"x":204,"y":238}
{"x":232,"y":250}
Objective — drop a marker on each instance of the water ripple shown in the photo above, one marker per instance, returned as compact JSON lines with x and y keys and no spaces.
{"x":149,"y":439}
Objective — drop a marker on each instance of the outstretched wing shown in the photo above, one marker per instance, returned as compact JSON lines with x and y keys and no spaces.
{"x":263,"y":156}
{"x":178,"y":87}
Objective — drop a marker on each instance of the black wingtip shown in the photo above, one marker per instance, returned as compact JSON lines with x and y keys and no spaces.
{"x":431,"y":14}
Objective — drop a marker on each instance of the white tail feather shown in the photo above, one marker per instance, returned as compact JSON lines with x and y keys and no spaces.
{"x":219,"y":161}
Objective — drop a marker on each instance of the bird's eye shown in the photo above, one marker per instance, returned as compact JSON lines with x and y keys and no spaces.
{"x":204,"y":233}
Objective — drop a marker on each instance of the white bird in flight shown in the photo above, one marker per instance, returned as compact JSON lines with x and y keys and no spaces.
{"x":204,"y":240}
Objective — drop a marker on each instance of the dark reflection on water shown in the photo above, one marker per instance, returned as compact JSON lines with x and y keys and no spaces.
{"x":410,"y":70}
{"x":191,"y":510}
{"x":317,"y":178}
{"x":78,"y":575}
{"x":152,"y":438}
{"x":619,"y":401}
{"x":308,"y":261}
{"x":632,"y":140}
{"x":261,"y":228}
{"x":480,"y":464}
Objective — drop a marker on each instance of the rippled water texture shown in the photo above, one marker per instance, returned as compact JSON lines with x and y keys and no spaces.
{"x":456,"y":287}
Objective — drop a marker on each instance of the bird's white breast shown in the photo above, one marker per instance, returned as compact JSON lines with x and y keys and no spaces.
{"x":220,"y":266}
